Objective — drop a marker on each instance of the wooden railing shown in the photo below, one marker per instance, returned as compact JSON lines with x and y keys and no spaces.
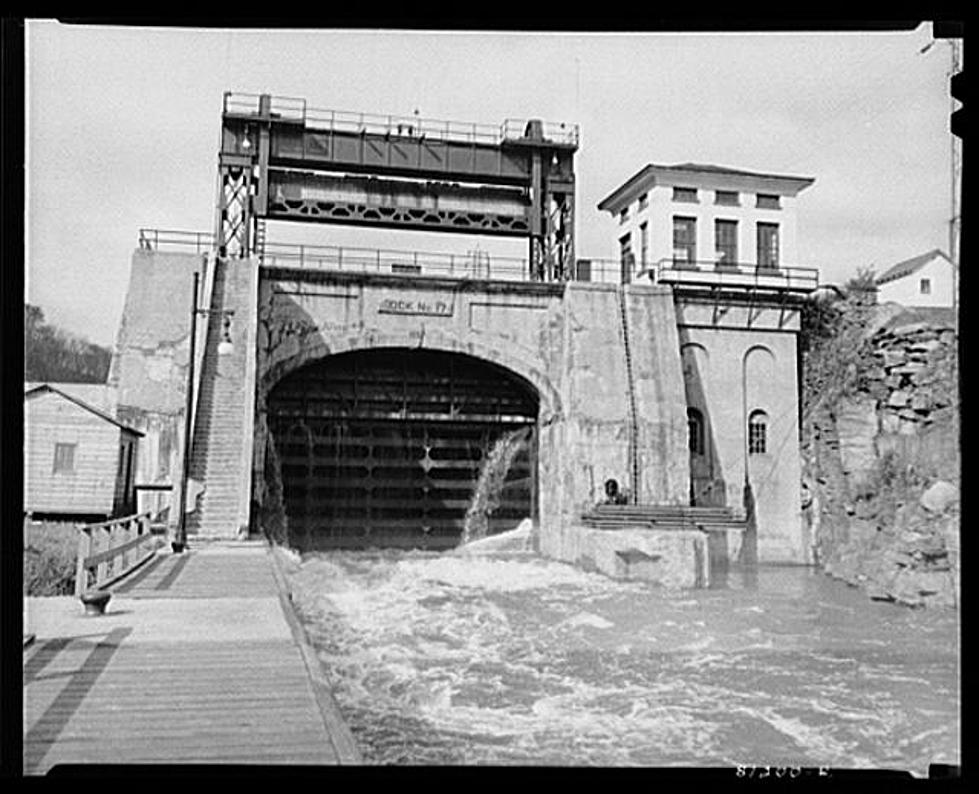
{"x":112,"y":549}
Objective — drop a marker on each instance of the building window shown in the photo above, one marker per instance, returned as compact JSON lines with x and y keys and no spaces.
{"x":685,"y":194}
{"x":767,"y":245}
{"x":643,"y":244}
{"x":729,"y":198}
{"x":926,"y":286}
{"x":684,"y":240}
{"x":64,"y":458}
{"x":695,"y":430}
{"x":758,"y":433}
{"x":626,"y":258}
{"x":624,"y":215}
{"x":644,"y":201}
{"x":726,"y":242}
{"x":768,"y":202}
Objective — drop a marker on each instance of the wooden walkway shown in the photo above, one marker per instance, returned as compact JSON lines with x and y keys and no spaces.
{"x":198,"y":659}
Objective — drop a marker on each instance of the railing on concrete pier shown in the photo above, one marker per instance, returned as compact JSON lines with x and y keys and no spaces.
{"x":480,"y":265}
{"x":111,"y":549}
{"x":483,"y":265}
{"x":155,"y":239}
{"x":714,"y":274}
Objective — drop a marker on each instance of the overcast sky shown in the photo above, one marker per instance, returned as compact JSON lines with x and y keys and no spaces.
{"x":123,"y":126}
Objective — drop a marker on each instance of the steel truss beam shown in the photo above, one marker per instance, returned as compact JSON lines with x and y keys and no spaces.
{"x":256,"y":145}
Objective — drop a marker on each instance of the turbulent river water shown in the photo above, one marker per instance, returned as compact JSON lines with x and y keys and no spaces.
{"x":509,"y":658}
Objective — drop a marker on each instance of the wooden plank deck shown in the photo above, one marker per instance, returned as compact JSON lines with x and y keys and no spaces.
{"x":197,"y":660}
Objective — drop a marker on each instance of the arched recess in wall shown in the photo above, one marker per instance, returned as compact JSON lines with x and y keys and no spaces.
{"x":759,"y":379}
{"x":696,"y":373}
{"x":491,"y":348}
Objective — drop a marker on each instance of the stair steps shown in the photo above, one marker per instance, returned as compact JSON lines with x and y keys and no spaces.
{"x":217,"y":444}
{"x":613,"y":517}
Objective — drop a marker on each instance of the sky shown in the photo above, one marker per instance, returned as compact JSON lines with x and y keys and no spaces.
{"x":123,"y":123}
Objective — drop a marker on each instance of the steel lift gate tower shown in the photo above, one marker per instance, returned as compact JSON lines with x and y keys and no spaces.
{"x":280,"y":160}
{"x":384,"y":447}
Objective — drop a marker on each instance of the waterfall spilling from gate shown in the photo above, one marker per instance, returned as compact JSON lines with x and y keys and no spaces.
{"x":492,"y":481}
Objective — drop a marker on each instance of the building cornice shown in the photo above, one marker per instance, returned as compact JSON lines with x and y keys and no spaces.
{"x":701,"y":176}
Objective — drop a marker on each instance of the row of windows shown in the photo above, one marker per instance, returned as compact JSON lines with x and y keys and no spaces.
{"x":725,"y":242}
{"x":728,"y":198}
{"x":757,"y":432}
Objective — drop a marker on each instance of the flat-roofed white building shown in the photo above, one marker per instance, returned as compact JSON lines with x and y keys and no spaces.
{"x":690,"y":217}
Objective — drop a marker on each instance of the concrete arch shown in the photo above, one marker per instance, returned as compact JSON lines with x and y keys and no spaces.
{"x":695,"y":347}
{"x":494,"y":348}
{"x":695,"y":359}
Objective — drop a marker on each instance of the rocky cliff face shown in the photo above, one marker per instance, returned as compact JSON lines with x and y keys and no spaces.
{"x":881,"y":454}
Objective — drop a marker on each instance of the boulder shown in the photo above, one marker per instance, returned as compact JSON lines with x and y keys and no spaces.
{"x":939,"y":497}
{"x":950,"y":531}
{"x":931,"y":582}
{"x":908,"y":427}
{"x":889,"y":422}
{"x":911,"y":328}
{"x":893,"y":358}
{"x":920,"y":402}
{"x":925,"y":346}
{"x":898,"y":399}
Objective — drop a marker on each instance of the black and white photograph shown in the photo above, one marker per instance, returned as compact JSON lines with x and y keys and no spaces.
{"x":428,"y":397}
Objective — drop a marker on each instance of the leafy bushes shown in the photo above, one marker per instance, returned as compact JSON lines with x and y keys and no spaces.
{"x":50,"y":555}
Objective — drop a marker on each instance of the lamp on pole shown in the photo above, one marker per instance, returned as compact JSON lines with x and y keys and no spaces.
{"x":225,"y":347}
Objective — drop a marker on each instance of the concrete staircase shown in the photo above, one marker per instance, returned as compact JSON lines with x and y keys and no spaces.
{"x":724,"y":531}
{"x":220,"y":455}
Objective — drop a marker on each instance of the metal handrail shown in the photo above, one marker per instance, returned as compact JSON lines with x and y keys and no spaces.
{"x":294,"y":108}
{"x":473,"y":264}
{"x":488,"y":266}
{"x":716,"y":272}
{"x":154,"y":239}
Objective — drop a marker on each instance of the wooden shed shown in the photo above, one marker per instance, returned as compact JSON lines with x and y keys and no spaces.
{"x":78,"y":460}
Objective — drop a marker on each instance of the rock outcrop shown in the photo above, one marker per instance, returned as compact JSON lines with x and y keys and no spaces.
{"x":881,"y":455}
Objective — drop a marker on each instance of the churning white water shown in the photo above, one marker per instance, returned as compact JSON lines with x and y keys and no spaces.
{"x":497,"y":656}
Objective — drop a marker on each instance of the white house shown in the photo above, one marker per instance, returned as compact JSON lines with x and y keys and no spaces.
{"x":78,"y":459}
{"x":926,"y":280}
{"x":693,"y":216}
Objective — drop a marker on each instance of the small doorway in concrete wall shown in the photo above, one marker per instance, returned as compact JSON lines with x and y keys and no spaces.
{"x":705,"y":488}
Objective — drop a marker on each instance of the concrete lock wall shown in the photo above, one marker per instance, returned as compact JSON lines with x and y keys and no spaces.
{"x":567,"y":341}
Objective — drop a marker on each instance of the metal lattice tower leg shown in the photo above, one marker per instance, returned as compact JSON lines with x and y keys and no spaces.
{"x":234,"y":212}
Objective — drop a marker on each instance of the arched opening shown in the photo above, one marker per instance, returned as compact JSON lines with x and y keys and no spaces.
{"x":385,"y":447}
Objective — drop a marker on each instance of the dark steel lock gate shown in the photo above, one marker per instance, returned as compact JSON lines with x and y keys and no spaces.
{"x":383,"y":448}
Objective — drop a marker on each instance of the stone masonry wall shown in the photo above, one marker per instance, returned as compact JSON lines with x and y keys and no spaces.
{"x":881,"y":456}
